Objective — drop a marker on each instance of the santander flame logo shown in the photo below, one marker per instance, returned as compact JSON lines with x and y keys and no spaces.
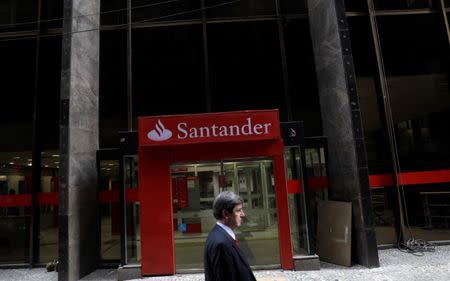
{"x":160,"y":133}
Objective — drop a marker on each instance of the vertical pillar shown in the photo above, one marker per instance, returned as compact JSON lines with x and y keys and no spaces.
{"x":36,"y":154}
{"x":341,"y":118}
{"x":78,"y":214}
{"x":157,"y":231}
{"x":284,"y":231}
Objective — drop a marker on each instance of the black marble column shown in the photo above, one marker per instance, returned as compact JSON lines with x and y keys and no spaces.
{"x":78,"y":214}
{"x":341,"y":118}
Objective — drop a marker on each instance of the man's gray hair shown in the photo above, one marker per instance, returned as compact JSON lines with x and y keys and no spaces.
{"x":226,"y":200}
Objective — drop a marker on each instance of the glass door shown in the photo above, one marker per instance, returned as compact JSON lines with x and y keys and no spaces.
{"x":297,"y":202}
{"x":132,"y":232}
{"x":15,"y":218}
{"x":194,"y":187}
{"x":109,"y":208}
{"x":258,"y":235}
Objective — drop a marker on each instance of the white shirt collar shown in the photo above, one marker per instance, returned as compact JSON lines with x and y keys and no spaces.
{"x":227,"y":229}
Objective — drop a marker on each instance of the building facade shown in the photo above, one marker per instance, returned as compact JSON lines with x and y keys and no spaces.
{"x":370,"y":77}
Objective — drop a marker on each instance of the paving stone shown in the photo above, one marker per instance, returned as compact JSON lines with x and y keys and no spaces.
{"x":394,"y":266}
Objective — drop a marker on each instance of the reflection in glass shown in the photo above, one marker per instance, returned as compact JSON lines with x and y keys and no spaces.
{"x":297,"y":212}
{"x":109,"y":210}
{"x":132,"y":211}
{"x":383,"y":200}
{"x":316,"y":171}
{"x":48,"y":236}
{"x":14,"y":235}
{"x":436,"y":215}
{"x":377,"y":145}
{"x":415,"y":53}
{"x":17,"y":74}
{"x":194,"y":187}
{"x":15,"y":182}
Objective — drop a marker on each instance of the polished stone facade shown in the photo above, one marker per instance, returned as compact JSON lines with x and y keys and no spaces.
{"x":79,"y":135}
{"x":341,"y":118}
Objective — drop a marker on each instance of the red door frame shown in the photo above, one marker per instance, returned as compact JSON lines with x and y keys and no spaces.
{"x":155,"y":192}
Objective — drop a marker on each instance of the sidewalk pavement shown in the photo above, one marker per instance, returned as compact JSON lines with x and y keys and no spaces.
{"x":394,"y":265}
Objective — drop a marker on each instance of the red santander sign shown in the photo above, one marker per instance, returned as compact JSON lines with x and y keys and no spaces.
{"x":209,"y":127}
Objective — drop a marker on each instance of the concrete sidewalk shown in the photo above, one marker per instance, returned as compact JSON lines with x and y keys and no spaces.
{"x":395,"y":265}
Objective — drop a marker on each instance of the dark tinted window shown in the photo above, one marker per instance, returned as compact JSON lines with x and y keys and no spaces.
{"x":245,"y":66}
{"x":168,"y":74}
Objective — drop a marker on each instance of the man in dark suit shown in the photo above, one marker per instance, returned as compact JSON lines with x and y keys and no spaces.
{"x":223,"y":259}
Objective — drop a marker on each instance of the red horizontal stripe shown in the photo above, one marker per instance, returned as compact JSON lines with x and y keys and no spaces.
{"x":317,"y":182}
{"x":132,"y":195}
{"x":438,"y":176}
{"x":47,"y":198}
{"x":294,"y":186}
{"x":108,"y":196}
{"x":380,"y":180}
{"x":314,"y":183}
{"x":112,"y":196}
{"x":17,"y":200}
{"x":411,"y":178}
{"x":385,"y":180}
{"x":24,"y":200}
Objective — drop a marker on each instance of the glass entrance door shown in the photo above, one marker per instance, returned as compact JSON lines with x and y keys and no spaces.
{"x":194,"y":187}
{"x":297,"y":203}
{"x":132,"y":233}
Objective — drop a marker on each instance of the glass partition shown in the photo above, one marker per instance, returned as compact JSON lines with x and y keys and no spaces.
{"x":48,"y":109}
{"x":377,"y":144}
{"x":415,"y":56}
{"x":133,"y":230}
{"x":50,"y":183}
{"x":297,"y":202}
{"x":16,"y":126}
{"x":194,"y":187}
{"x":15,"y":217}
{"x":109,"y":210}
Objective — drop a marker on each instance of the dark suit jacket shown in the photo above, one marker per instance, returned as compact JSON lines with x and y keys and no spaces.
{"x":223,"y":259}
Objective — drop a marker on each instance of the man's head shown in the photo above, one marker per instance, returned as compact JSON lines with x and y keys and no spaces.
{"x":227,"y":208}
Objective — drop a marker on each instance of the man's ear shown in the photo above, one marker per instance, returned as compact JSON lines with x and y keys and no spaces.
{"x":224,"y":213}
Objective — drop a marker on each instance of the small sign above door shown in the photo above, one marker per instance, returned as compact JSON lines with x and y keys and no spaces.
{"x":210,"y":127}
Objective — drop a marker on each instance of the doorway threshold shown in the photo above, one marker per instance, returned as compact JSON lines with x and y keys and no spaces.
{"x":306,"y":263}
{"x":129,"y":272}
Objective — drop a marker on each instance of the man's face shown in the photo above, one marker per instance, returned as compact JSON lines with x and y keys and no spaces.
{"x":234,"y":219}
